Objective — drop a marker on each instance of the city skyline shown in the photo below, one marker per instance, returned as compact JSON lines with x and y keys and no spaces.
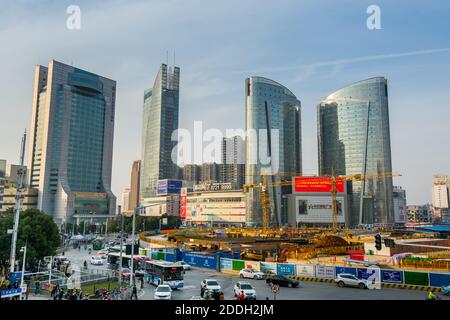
{"x":211,"y":78}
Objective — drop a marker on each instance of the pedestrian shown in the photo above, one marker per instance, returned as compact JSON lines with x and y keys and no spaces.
{"x":37,"y":287}
{"x":27,"y":292}
{"x":241,"y":295}
{"x":142,"y":283}
{"x":53,"y":293}
{"x":134,"y":293}
{"x":221,"y":296}
{"x":60,"y":294}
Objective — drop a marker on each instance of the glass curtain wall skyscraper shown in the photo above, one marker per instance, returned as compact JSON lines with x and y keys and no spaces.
{"x":70,"y":152}
{"x":273,"y":125}
{"x":354,"y":138}
{"x":160,"y":119}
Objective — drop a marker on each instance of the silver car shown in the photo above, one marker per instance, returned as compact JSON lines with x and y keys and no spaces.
{"x":350,"y":280}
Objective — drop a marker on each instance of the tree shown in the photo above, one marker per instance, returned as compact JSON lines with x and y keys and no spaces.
{"x":36,"y":228}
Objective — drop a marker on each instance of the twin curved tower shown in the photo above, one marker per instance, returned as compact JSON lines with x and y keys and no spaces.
{"x":353,"y":138}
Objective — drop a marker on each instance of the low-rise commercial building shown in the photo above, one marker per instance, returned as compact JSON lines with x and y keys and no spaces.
{"x":215,"y":208}
{"x":419,"y":213}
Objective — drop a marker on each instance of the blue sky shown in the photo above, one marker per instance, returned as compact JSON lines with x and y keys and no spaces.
{"x":312,"y":47}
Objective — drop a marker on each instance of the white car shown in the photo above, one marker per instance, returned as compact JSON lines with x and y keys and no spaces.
{"x":350,"y":280}
{"x":251,"y":273}
{"x":96,"y":260}
{"x":249,"y":291}
{"x":210,"y":285}
{"x":163,"y":292}
{"x":183,"y":264}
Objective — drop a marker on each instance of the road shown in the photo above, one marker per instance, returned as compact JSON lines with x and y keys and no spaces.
{"x":306,"y":291}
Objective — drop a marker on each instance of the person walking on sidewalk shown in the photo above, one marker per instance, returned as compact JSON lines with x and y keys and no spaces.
{"x":134,"y":293}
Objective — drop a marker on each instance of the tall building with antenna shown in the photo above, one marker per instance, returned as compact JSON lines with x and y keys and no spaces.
{"x":160,"y":119}
{"x":71,"y":143}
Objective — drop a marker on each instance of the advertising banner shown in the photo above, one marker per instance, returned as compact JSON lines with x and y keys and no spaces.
{"x":317,"y":184}
{"x":365,"y":273}
{"x":268,"y":267}
{"x":286,"y":269}
{"x":201,"y":260}
{"x":183,"y":206}
{"x":305,"y":270}
{"x":238,"y":265}
{"x":392,"y":276}
{"x":346,"y":270}
{"x":252,"y":265}
{"x":325,"y":272}
{"x":168,"y":186}
{"x":226,"y":264}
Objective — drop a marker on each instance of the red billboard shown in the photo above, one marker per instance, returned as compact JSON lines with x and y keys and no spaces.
{"x":317,"y":184}
{"x":183,"y":201}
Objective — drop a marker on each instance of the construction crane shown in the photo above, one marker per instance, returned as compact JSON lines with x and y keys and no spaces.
{"x":265,"y":185}
{"x":354,"y":177}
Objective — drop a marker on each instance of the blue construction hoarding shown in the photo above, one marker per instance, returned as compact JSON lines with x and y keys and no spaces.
{"x":286,"y":269}
{"x":439,"y":279}
{"x":346,"y":270}
{"x":208,"y":261}
{"x":392,"y":276}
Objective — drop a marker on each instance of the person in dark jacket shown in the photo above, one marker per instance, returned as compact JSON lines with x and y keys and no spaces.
{"x":134,"y":293}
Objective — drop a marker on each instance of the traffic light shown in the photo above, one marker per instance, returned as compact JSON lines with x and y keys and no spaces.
{"x":378,"y":242}
{"x":390,"y":243}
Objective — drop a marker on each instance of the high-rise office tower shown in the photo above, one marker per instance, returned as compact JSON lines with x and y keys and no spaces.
{"x":126,"y":200}
{"x":272,"y":146}
{"x":134,"y":186}
{"x":441,"y":197}
{"x":354,"y":138}
{"x":2,"y":180}
{"x":70,"y":151}
{"x":159,"y":121}
{"x":233,"y":162}
{"x":191,"y":173}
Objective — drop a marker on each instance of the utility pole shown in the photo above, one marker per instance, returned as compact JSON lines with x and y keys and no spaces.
{"x":24,"y":250}
{"x":21,"y":172}
{"x":132,"y":247}
{"x":121,"y":246}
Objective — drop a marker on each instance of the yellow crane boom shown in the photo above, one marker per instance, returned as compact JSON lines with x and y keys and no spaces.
{"x":264,"y":185}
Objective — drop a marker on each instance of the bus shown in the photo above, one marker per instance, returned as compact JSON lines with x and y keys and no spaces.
{"x":164,"y":272}
{"x":97,"y":243}
{"x":113,"y":261}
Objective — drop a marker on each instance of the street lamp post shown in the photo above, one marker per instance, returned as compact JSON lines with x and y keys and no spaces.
{"x":24,"y":250}
{"x":121,"y":249}
{"x":50,"y":272}
{"x":132,"y":247}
